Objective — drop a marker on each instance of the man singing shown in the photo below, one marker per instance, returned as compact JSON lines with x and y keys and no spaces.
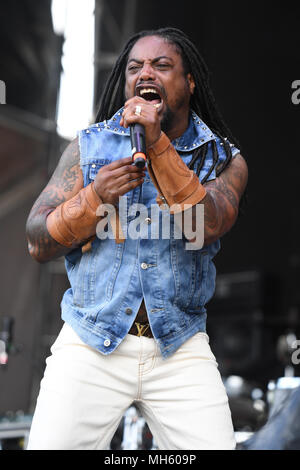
{"x":134,"y":316}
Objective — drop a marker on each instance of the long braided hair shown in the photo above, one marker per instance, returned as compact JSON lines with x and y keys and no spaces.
{"x":202,"y":101}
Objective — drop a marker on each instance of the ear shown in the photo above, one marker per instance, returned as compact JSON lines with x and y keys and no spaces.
{"x":191,"y":83}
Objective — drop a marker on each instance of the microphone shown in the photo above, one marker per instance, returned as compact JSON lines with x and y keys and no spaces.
{"x":138,"y":145}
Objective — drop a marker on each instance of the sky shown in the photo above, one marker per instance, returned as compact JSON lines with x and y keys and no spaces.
{"x":75,"y":20}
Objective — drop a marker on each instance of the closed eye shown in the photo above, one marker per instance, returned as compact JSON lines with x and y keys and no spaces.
{"x":162,"y":67}
{"x":132,"y":68}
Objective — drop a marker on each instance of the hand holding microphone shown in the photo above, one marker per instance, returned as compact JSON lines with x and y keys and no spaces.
{"x":144,"y":123}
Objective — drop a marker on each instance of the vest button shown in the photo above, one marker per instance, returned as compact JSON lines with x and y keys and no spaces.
{"x":144,"y":265}
{"x":148,"y":220}
{"x":107,"y":343}
{"x":128,"y":311}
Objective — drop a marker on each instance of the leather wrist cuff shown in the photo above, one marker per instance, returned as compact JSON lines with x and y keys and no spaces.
{"x":175,"y":182}
{"x":74,"y":221}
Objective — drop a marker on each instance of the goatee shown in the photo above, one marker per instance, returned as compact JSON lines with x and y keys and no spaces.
{"x":167,"y":121}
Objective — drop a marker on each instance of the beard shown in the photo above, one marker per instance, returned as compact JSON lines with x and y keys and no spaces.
{"x":169,"y":117}
{"x":167,"y":120}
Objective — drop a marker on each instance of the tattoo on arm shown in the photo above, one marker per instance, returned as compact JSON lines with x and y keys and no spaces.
{"x":66,"y":175}
{"x":65,"y":182}
{"x":221,"y":204}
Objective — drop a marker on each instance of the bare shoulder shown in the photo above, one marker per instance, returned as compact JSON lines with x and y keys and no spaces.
{"x":237,"y":173}
{"x":239,"y":164}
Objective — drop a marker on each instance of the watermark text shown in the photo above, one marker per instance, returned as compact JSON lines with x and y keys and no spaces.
{"x":296,"y":93}
{"x":296,"y":354}
{"x":2,"y":92}
{"x":139,"y":221}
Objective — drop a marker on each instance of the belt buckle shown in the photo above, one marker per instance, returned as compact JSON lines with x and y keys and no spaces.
{"x":141,"y":328}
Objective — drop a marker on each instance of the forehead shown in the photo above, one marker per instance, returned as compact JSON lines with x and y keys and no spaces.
{"x":150,"y":47}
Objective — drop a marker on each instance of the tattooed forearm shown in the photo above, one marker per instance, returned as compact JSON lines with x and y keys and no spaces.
{"x":221,"y":203}
{"x":40,"y":244}
{"x":220,"y":211}
{"x":64,"y":184}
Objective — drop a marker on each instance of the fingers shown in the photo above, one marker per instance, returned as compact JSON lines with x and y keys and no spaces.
{"x":129,"y":117}
{"x":127,"y":170}
{"x":130,"y":186}
{"x":121,"y":178}
{"x":119,"y":163}
{"x":147,"y":115}
{"x":116,"y":179}
{"x":119,"y":168}
{"x":111,"y":192}
{"x":129,"y":178}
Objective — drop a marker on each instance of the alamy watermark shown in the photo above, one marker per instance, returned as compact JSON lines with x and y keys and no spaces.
{"x":296,"y":354}
{"x":296,"y":94}
{"x":138,"y":222}
{"x":2,"y":92}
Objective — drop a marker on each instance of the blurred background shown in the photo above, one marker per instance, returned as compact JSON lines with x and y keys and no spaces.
{"x":54,"y":59}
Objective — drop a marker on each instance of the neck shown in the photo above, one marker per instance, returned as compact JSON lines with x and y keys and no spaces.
{"x":176,"y":127}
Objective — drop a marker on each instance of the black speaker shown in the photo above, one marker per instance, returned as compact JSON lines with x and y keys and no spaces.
{"x":236,"y":318}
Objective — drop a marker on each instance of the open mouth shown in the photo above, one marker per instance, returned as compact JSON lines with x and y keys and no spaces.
{"x":149,"y":94}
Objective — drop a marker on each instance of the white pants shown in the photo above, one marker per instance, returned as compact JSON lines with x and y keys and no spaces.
{"x":84,"y":395}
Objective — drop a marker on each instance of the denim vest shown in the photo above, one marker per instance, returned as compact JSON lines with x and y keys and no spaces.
{"x":109,"y":282}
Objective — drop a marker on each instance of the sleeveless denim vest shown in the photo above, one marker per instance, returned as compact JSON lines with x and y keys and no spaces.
{"x":109,"y":282}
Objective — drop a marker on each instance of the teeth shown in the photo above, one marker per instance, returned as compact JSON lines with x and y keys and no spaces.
{"x":148,"y":90}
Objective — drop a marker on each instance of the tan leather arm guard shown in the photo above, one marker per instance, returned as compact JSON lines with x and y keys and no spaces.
{"x":75,"y":221}
{"x":176,"y":184}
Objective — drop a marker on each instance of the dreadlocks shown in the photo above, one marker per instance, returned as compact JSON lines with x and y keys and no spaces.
{"x":202,"y":101}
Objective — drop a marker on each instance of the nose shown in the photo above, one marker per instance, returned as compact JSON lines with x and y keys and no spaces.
{"x":147,"y":72}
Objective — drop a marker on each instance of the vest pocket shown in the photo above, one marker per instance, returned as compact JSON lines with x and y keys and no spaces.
{"x":91,"y":290}
{"x":84,"y":285}
{"x":190,"y":270}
